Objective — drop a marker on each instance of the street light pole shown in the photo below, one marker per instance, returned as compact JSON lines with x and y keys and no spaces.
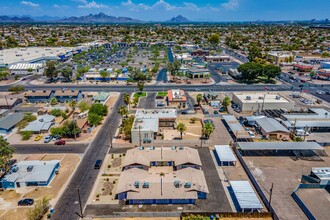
{"x":81,"y":210}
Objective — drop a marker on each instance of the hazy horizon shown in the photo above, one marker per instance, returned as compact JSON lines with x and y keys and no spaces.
{"x":162,"y":10}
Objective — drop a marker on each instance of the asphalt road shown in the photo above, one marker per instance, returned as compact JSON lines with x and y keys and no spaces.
{"x":85,"y":175}
{"x":49,"y":148}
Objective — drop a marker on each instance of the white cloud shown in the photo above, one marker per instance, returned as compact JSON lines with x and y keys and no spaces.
{"x":160,"y":4}
{"x":30,"y":4}
{"x":80,"y":1}
{"x":91,"y":5}
{"x":230,"y":4}
{"x":60,"y":6}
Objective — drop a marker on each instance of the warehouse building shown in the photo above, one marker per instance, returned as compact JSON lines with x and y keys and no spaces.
{"x":272,"y":129}
{"x":26,"y":68}
{"x":30,"y":173}
{"x":162,"y":175}
{"x":258,"y":101}
{"x":315,"y":120}
{"x":235,"y":128}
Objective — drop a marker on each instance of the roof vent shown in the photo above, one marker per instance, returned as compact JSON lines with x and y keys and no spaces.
{"x":278,"y":97}
{"x":177,"y":183}
{"x":145,"y":185}
{"x":248,"y":97}
{"x":187,"y":185}
{"x":29,"y":168}
{"x":137,"y":184}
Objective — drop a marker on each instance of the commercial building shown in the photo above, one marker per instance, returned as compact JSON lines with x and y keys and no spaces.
{"x":162,"y":175}
{"x":9,"y":102}
{"x":258,"y":101}
{"x":325,"y":65}
{"x":34,"y":55}
{"x":301,"y":67}
{"x":30,"y":173}
{"x":322,"y":174}
{"x":26,"y":68}
{"x":196,"y":73}
{"x":176,"y":98}
{"x":216,"y":59}
{"x":41,"y":125}
{"x":101,"y":97}
{"x":147,"y":124}
{"x":39,"y":96}
{"x":279,"y":57}
{"x":224,"y":155}
{"x":8,"y":122}
{"x":315,"y":120}
{"x":272,"y":129}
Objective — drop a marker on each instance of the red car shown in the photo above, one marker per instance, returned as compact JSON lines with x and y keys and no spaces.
{"x":60,"y":142}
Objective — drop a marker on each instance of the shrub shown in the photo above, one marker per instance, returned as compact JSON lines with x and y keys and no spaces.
{"x":26,"y":135}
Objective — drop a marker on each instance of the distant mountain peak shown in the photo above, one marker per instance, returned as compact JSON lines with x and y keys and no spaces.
{"x":98,"y":18}
{"x":178,"y":19}
{"x":15,"y":19}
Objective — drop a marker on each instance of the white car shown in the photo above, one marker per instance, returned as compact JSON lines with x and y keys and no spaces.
{"x":320,"y":92}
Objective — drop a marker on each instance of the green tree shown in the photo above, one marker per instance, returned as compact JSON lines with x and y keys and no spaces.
{"x":6,"y":153}
{"x":254,"y":52}
{"x":127,"y":99}
{"x":94,"y":119}
{"x":123,"y":111}
{"x":99,"y":109}
{"x":53,"y":101}
{"x":40,"y":209}
{"x":69,"y":129}
{"x":73,"y":104}
{"x":181,"y":128}
{"x":271,"y":71}
{"x":250,"y":71}
{"x":83,"y":106}
{"x":56,"y":112}
{"x":104,"y":74}
{"x":325,"y":54}
{"x":226,"y":102}
{"x":26,"y":135}
{"x":140,"y":86}
{"x":67,"y":73}
{"x":214,"y":39}
{"x":208,"y":129}
{"x":50,"y":70}
{"x":16,"y":89}
{"x":199,"y":98}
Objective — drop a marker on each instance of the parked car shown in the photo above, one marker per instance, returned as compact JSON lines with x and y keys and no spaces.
{"x":215,"y":112}
{"x":25,"y":202}
{"x":48,"y":138}
{"x":320,"y":92}
{"x":184,"y":112}
{"x":60,"y":142}
{"x":98,"y":164}
{"x":38,"y":137}
{"x":56,"y":137}
{"x":222,"y":109}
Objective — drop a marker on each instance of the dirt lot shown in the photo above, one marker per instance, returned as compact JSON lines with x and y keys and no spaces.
{"x":285,"y":173}
{"x":9,"y":198}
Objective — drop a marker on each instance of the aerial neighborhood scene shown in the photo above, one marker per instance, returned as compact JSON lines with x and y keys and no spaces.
{"x":164,"y":110}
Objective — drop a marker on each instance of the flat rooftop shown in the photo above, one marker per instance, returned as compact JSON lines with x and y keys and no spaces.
{"x":279,"y":146}
{"x":31,"y":54}
{"x":31,"y":171}
{"x":260,"y":97}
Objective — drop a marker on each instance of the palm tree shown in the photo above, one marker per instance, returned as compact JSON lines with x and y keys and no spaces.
{"x":73,"y":104}
{"x":199,"y":98}
{"x":181,"y":128}
{"x":123,"y":111}
{"x":126,"y":99}
{"x":53,"y":101}
{"x":226,"y":102}
{"x":208,"y":129}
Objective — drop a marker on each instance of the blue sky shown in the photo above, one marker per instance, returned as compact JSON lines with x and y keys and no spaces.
{"x":160,"y":10}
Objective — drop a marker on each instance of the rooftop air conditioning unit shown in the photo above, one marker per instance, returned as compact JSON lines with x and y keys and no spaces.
{"x":278,"y":97}
{"x":248,"y":97}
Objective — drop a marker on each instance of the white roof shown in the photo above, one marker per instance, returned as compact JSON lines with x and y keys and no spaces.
{"x":43,"y":122}
{"x":40,"y":172}
{"x":279,"y":146}
{"x":322,"y":172}
{"x":245,"y":195}
{"x":270,"y":125}
{"x":260,"y":97}
{"x":26,"y":66}
{"x":224,"y":153}
{"x":31,"y":54}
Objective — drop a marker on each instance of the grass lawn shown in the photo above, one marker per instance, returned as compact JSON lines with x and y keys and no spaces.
{"x":138,"y":94}
{"x":162,"y":94}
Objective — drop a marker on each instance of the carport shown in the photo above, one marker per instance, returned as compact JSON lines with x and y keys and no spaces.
{"x":224,"y":155}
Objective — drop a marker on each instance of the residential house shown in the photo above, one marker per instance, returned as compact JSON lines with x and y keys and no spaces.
{"x":9,"y":102}
{"x":68,"y":95}
{"x":41,"y":125}
{"x":39,"y":96}
{"x":8,"y":122}
{"x":176,"y":98}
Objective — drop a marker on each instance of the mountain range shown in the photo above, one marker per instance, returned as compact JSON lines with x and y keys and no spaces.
{"x":87,"y":19}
